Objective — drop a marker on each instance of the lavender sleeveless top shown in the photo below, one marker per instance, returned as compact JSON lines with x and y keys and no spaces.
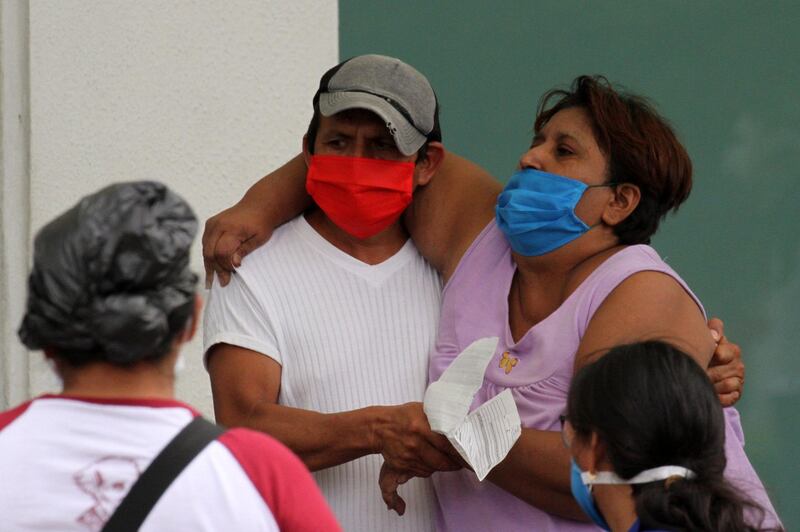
{"x":475,"y":305}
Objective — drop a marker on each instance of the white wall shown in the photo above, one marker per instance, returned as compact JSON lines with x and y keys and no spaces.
{"x":204,"y":96}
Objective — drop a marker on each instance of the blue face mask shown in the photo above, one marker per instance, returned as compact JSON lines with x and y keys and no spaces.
{"x":536,"y":211}
{"x":583,"y":496}
{"x":581,"y":482}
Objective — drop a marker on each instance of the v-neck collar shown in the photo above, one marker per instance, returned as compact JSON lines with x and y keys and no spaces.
{"x":375,"y":274}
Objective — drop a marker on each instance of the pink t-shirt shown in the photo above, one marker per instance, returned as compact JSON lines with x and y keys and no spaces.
{"x":475,"y":305}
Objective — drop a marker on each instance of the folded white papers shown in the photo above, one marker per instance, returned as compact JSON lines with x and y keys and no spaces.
{"x":484,"y":437}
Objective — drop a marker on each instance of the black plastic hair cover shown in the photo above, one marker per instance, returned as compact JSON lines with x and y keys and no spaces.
{"x":110,"y":278}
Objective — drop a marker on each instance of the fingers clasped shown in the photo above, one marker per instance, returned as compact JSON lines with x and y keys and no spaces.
{"x":726,"y":369}
{"x":408,"y":444}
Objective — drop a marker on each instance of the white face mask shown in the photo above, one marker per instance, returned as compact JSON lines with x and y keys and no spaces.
{"x":180,"y":364}
{"x":180,"y":360}
{"x":54,"y":368}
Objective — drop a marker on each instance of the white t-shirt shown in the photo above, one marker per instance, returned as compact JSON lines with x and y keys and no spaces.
{"x":347,"y":335}
{"x":68,"y":462}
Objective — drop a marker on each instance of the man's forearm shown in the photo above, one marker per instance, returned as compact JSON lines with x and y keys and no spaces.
{"x":320,"y":440}
{"x":537,"y":471}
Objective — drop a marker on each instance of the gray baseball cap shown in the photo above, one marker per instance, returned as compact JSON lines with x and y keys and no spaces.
{"x":388,"y":87}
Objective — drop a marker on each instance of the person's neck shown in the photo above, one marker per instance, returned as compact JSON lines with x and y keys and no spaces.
{"x":617,"y":506}
{"x":372,"y":250}
{"x":542,"y":283}
{"x":152,"y":380}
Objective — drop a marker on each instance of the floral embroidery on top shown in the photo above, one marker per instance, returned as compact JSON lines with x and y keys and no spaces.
{"x":508,"y":362}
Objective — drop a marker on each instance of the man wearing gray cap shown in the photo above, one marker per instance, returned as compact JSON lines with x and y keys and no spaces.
{"x":337,"y":312}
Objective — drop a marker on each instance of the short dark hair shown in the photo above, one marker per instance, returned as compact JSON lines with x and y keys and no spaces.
{"x":653,"y":405}
{"x":640,"y":145}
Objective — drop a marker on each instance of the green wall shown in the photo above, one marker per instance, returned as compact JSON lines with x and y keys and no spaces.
{"x":728,"y":76}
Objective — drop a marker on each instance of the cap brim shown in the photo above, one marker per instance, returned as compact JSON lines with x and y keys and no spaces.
{"x":406,"y":136}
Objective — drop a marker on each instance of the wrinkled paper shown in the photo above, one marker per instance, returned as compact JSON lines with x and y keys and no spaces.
{"x":483,"y":437}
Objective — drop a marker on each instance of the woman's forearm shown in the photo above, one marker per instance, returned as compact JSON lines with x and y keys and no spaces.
{"x":537,"y":471}
{"x":233,"y":233}
{"x":451,"y":210}
{"x":280,"y":195}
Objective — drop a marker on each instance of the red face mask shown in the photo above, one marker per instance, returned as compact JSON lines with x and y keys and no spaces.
{"x":361,"y":196}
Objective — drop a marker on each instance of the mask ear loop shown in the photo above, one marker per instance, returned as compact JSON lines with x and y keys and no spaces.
{"x":649,"y":475}
{"x":590,"y":484}
{"x":609,"y":184}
